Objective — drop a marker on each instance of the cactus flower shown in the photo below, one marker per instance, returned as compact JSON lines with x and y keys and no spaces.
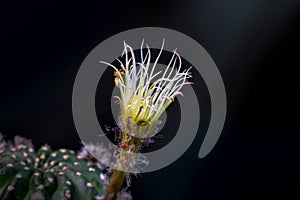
{"x":144,"y":93}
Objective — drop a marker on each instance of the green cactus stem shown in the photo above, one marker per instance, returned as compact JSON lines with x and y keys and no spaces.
{"x":47,"y":174}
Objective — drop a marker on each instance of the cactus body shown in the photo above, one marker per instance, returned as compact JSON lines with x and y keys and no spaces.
{"x":46,"y":174}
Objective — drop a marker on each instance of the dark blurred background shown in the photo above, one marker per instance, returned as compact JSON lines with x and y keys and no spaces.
{"x":255,"y":45}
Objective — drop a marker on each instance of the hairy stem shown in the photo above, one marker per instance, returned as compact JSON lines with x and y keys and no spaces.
{"x":118,"y":177}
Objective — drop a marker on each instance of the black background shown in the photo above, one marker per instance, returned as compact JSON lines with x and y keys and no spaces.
{"x":255,"y":45}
